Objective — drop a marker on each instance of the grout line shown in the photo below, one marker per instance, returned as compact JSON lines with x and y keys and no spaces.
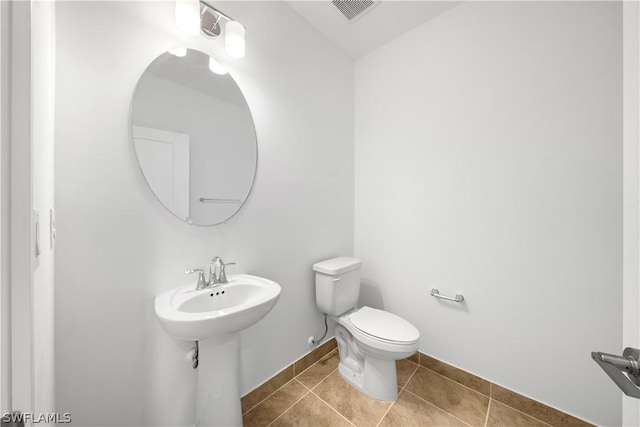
{"x":326,"y":356}
{"x":301,"y":383}
{"x":386,"y":412}
{"x":323,"y":380}
{"x":319,"y":382}
{"x":317,"y":349}
{"x":507,"y":402}
{"x":437,"y":407}
{"x":333,"y":409}
{"x":410,"y":361}
{"x":275,"y":391}
{"x":293,"y":371}
{"x":294,"y":404}
{"x":523,"y":413}
{"x":456,"y":382}
{"x":401,"y":390}
{"x":410,"y":377}
{"x":486,"y":419}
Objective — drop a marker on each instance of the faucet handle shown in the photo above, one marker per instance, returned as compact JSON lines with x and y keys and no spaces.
{"x":202,"y":283}
{"x":223,"y":273}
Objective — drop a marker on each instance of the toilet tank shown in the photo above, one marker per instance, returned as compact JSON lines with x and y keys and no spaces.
{"x":337,"y":284}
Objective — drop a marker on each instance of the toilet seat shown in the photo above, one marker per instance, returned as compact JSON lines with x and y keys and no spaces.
{"x":369,"y":330}
{"x":385,"y":326}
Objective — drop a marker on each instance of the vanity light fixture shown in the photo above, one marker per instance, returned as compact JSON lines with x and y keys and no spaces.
{"x":234,"y":40}
{"x":188,"y":16}
{"x":209,"y":23}
{"x":179,"y":52}
{"x":217,"y":67}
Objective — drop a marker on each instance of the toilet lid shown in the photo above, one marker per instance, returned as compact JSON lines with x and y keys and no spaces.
{"x":384,"y":325}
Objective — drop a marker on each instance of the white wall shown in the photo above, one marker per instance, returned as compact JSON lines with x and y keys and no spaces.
{"x":489,"y":163}
{"x":118,"y":247}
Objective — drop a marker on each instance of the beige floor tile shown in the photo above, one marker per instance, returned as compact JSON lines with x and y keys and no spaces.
{"x":462,"y":402}
{"x":263,"y":391}
{"x":535,"y":409}
{"x":411,"y":411}
{"x":501,"y":415}
{"x":318,"y":372}
{"x":275,"y":405}
{"x":303,"y":363}
{"x":405,"y":369}
{"x":458,"y":375}
{"x":310,"y":411}
{"x":355,"y":406}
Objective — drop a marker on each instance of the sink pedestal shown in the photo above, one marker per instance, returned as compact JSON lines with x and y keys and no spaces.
{"x":214,"y":316}
{"x":218,"y":401}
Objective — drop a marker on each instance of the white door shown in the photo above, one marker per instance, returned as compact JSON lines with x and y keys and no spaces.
{"x":27,"y":29}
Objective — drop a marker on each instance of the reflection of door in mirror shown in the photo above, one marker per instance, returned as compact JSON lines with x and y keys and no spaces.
{"x":164,"y":157}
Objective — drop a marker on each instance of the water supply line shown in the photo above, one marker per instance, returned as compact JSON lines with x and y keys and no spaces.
{"x":316,"y":342}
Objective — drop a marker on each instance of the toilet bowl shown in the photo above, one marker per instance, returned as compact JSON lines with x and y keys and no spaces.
{"x":369,"y":340}
{"x":369,"y":343}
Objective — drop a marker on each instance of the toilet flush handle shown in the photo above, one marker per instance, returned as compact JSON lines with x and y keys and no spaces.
{"x":336,"y":278}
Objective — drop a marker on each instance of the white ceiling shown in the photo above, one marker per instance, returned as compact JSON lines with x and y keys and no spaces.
{"x":383,"y":23}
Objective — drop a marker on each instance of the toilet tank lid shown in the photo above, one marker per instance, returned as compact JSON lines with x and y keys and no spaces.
{"x":337,"y":265}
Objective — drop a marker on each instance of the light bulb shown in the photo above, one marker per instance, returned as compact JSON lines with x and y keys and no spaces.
{"x":188,"y":16}
{"x":217,"y":67}
{"x":179,"y":52}
{"x":234,"y":39}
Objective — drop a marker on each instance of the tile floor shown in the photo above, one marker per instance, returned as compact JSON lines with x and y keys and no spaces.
{"x":318,"y":396}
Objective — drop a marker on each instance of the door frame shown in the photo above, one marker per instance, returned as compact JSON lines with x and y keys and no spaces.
{"x":631,"y":193}
{"x":5,"y":367}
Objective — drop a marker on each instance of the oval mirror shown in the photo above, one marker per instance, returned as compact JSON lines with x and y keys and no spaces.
{"x":194,"y":137}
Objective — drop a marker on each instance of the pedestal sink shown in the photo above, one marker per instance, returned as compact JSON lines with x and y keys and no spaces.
{"x":213,"y":316}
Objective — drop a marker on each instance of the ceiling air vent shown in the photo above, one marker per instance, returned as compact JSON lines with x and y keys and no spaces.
{"x":351,"y":9}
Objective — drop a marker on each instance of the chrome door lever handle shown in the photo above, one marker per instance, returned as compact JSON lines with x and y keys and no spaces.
{"x":614,"y":366}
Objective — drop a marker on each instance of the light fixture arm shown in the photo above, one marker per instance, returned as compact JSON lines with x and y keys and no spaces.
{"x":223,"y":15}
{"x":198,"y":16}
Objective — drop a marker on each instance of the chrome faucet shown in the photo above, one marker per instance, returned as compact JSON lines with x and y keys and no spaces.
{"x":202,"y":282}
{"x":217,"y":274}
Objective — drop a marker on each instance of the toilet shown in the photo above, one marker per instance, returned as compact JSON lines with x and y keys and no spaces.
{"x":369,"y":340}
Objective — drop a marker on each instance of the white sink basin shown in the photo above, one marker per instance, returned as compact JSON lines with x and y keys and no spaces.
{"x":192,"y":315}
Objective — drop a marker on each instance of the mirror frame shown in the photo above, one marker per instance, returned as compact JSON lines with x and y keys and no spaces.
{"x":132,"y":141}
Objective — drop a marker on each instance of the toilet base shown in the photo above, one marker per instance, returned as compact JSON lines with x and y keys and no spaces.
{"x":375,"y":377}
{"x":379,"y":379}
